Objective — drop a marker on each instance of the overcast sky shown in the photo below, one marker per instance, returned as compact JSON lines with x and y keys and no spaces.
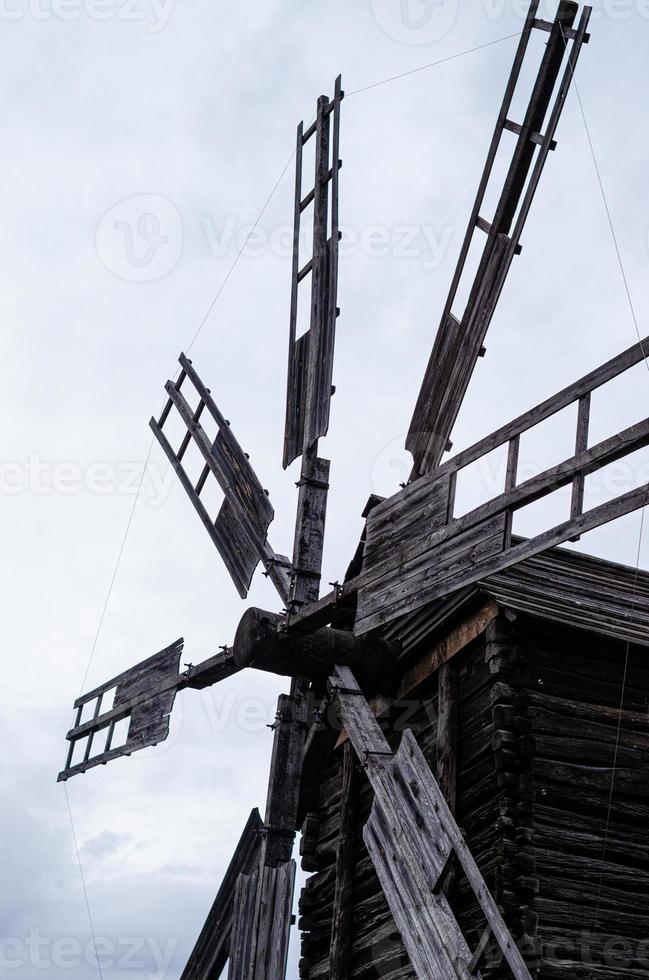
{"x":186,"y":110}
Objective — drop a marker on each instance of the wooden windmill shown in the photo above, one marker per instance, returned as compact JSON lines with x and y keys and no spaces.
{"x":345,"y":650}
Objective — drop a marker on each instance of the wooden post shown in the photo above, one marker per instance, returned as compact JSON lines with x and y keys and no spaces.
{"x":341,"y":928}
{"x":262,"y":642}
{"x":447,"y":752}
{"x":447,"y":733}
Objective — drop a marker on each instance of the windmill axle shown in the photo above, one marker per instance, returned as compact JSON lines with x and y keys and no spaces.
{"x":261,"y":643}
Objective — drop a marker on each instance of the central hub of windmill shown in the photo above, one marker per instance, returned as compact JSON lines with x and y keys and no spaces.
{"x":262,"y":642}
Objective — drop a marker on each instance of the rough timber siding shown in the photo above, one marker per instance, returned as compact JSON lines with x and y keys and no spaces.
{"x":377,"y":951}
{"x":593,"y":885}
{"x":537,"y":720}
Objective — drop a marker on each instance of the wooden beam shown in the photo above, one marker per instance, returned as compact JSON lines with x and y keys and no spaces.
{"x":447,"y":647}
{"x":451,"y":366}
{"x":341,"y":929}
{"x":410,"y":836}
{"x":318,"y":748}
{"x":447,"y":732}
{"x":262,"y":923}
{"x":308,"y":548}
{"x":262,"y":642}
{"x":146,"y":696}
{"x":424,"y":566}
{"x":212,"y":949}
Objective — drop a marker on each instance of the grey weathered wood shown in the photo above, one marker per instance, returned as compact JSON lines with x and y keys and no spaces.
{"x":310,"y":363}
{"x":212,"y":949}
{"x":309,"y":530}
{"x":318,"y":748}
{"x":452,"y":362}
{"x":416,"y":593}
{"x":297,"y":350}
{"x":146,"y":694}
{"x":410,"y":836}
{"x":447,"y":733}
{"x":240,"y":529}
{"x":262,"y":923}
{"x":262,"y":642}
{"x":280,"y":817}
{"x":341,"y":925}
{"x":581,"y":444}
{"x":421,"y":566}
{"x":510,"y":482}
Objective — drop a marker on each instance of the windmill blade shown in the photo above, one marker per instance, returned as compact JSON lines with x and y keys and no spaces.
{"x":416,"y":551}
{"x":410,"y":836}
{"x":310,"y":359}
{"x":212,"y":949}
{"x":145,"y":696}
{"x":310,"y":364}
{"x":262,"y":922}
{"x":460,"y":339}
{"x":240,"y":528}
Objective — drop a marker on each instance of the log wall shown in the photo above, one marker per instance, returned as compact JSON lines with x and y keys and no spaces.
{"x":537,"y":719}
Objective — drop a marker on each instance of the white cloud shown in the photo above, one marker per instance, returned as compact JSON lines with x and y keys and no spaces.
{"x":202,"y":113}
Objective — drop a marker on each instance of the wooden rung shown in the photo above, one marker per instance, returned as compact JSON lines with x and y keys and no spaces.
{"x":202,"y":478}
{"x":481,"y":949}
{"x":165,"y":413}
{"x":547,"y":25}
{"x":187,"y":437}
{"x":537,"y":138}
{"x":311,"y":131}
{"x":486,"y":226}
{"x":308,"y":133}
{"x":304,"y":203}
{"x":305,"y":270}
{"x":184,"y":445}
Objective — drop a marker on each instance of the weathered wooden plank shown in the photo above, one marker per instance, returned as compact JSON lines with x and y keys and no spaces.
{"x":297,"y":348}
{"x":450,"y":367}
{"x":241,"y":526}
{"x":310,"y":370}
{"x":418,"y":593}
{"x":410,"y":837}
{"x":236,"y":474}
{"x":145,"y":693}
{"x":341,"y":927}
{"x":581,"y":444}
{"x":210,"y":954}
{"x":280,"y":817}
{"x":447,"y":732}
{"x":419,"y":563}
{"x":262,"y":642}
{"x":318,"y":747}
{"x":262,"y":923}
{"x":309,"y":530}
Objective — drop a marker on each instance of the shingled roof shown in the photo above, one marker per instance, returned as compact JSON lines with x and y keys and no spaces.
{"x":561,"y":586}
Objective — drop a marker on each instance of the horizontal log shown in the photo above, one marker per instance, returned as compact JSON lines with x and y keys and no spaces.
{"x":262,"y":642}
